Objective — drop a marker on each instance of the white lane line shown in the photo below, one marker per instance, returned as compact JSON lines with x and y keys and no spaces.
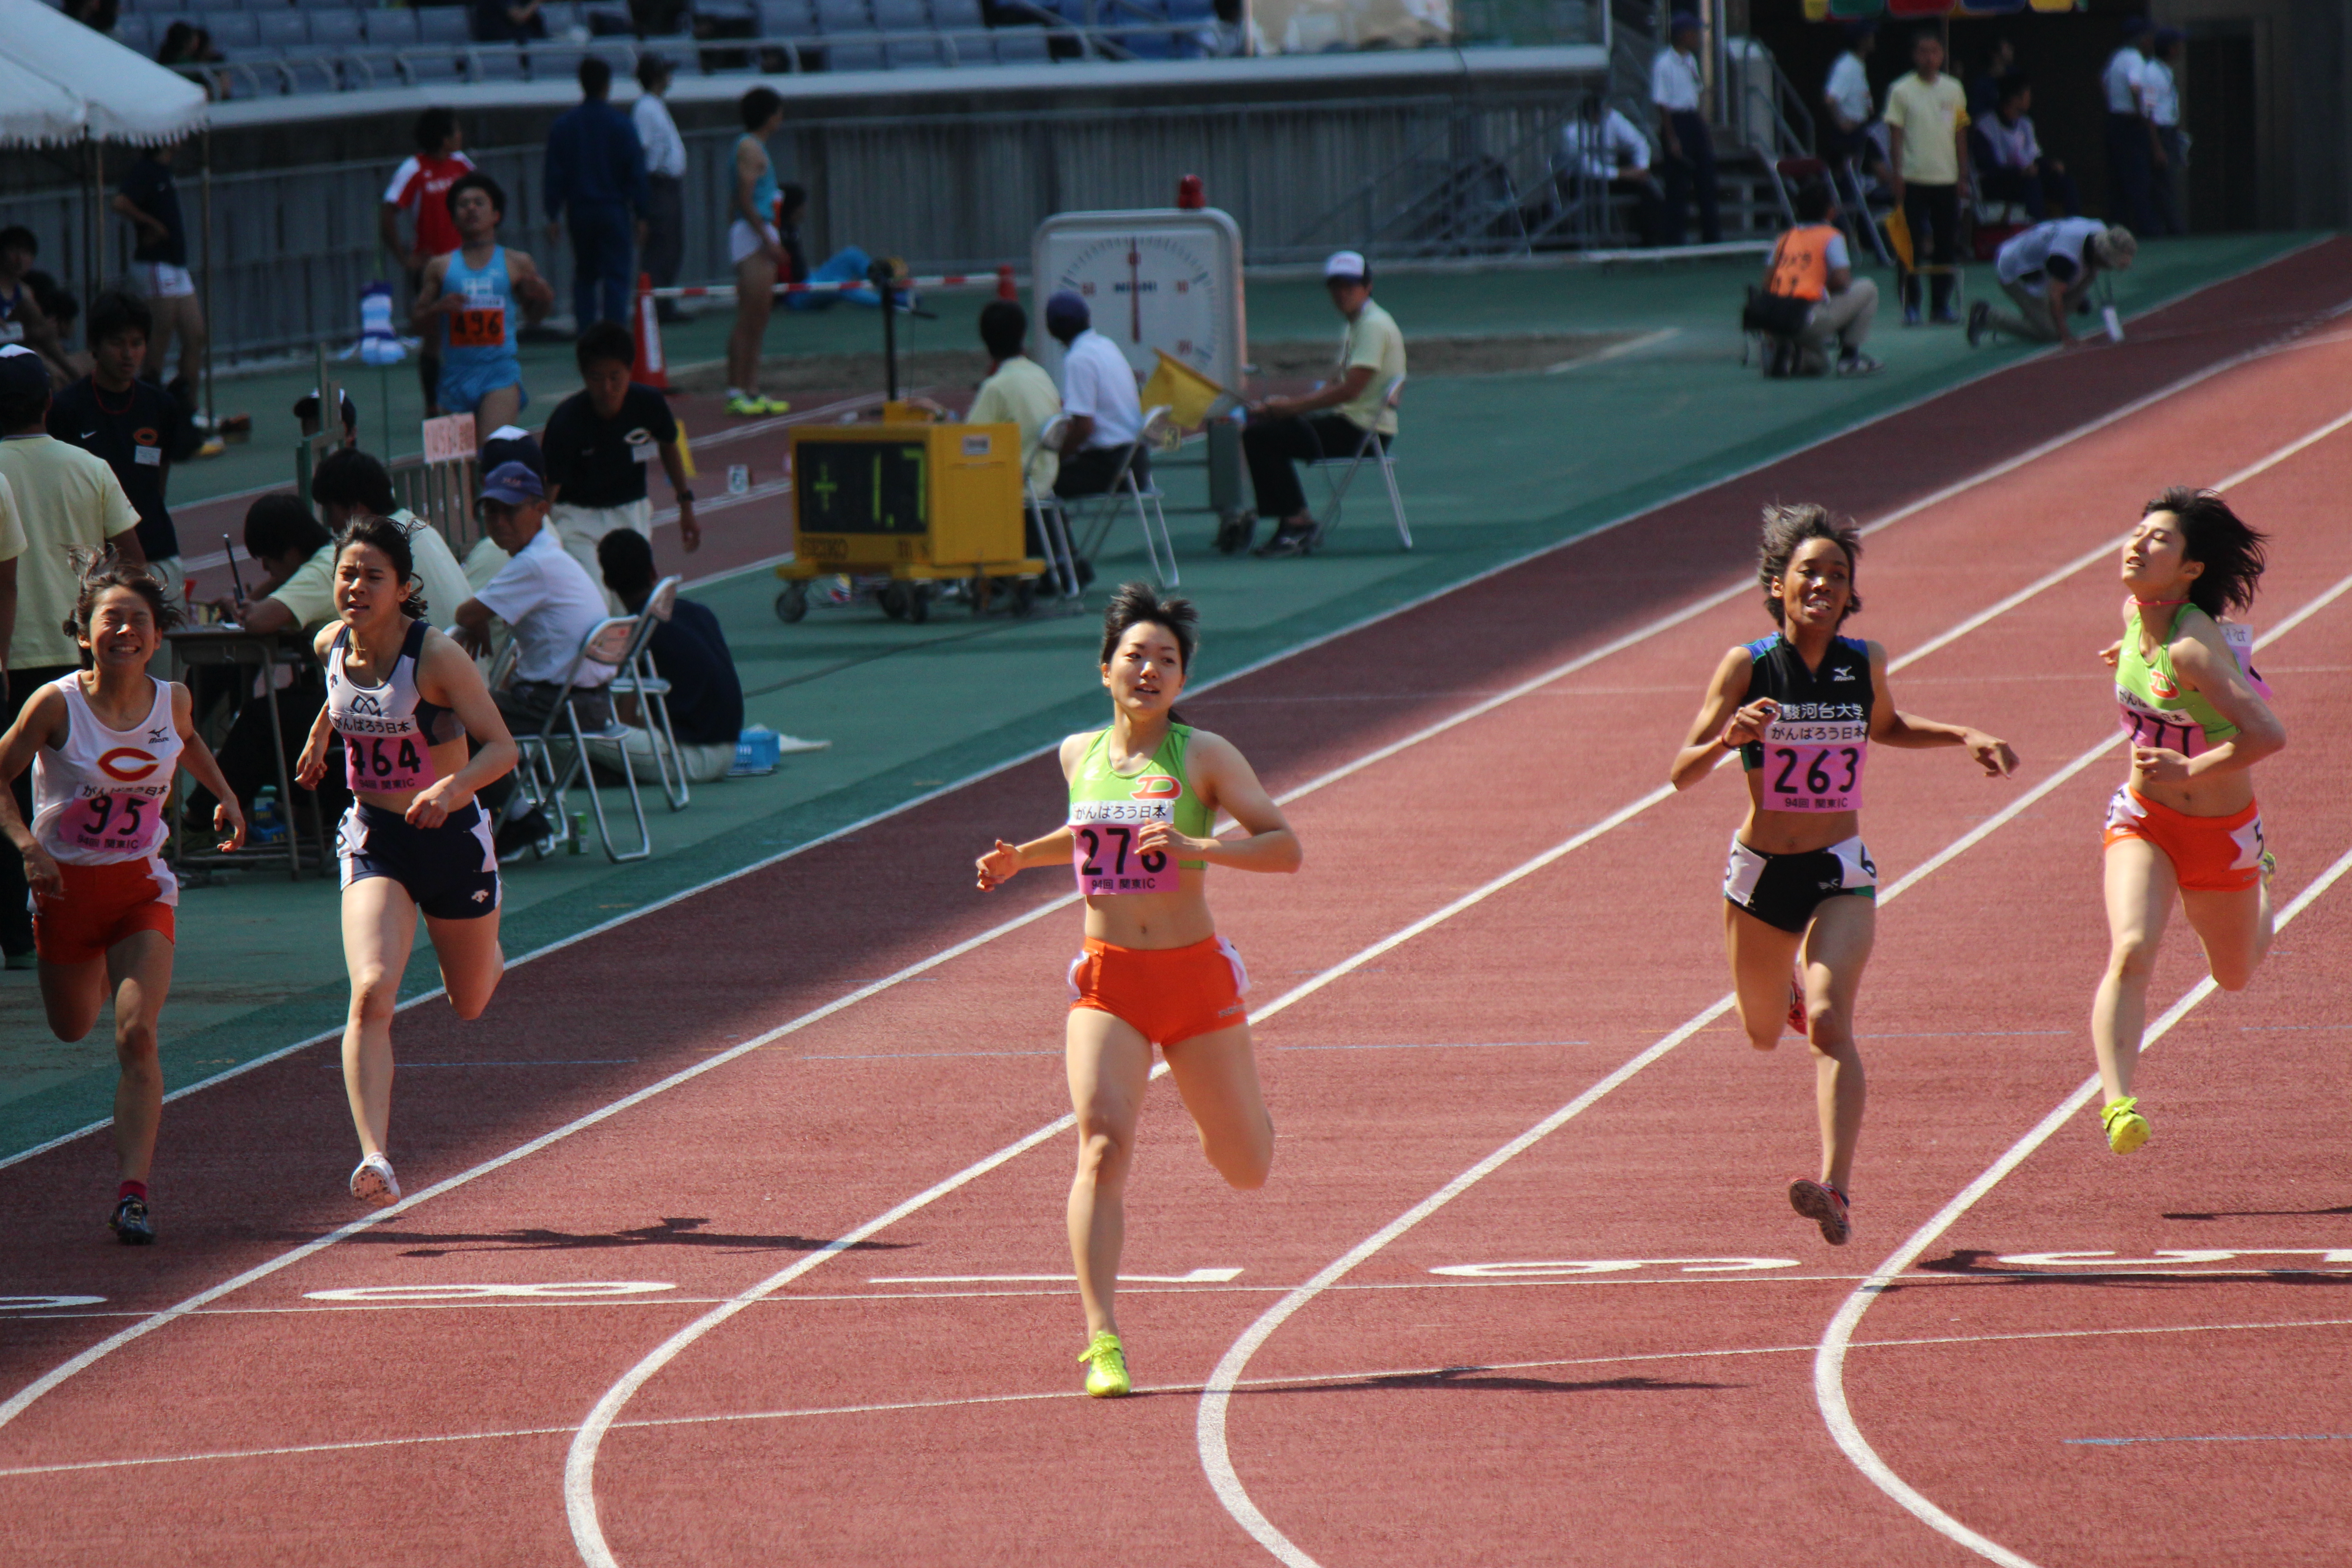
{"x":2087,"y":428}
{"x":1209,"y":1428}
{"x":1829,"y":1359}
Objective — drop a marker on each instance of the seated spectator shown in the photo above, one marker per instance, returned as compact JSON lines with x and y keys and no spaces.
{"x":1986,"y":87}
{"x":507,"y":444}
{"x":1329,"y":422}
{"x":706,"y":698}
{"x":843,"y":266}
{"x":508,"y":21}
{"x":186,"y":47}
{"x":296,"y":594}
{"x":351,"y":483}
{"x":1098,"y":394}
{"x":553,"y":605}
{"x":2010,"y":164}
{"x":1017,"y":392}
{"x":602,"y":442}
{"x":1602,"y":151}
{"x":22,"y":319}
{"x":305,"y":415}
{"x":1811,"y":263}
{"x":2048,"y":272}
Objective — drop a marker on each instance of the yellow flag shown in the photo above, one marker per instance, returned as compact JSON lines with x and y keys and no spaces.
{"x":685,"y":450}
{"x":1189,"y":395}
{"x":1899,"y":236}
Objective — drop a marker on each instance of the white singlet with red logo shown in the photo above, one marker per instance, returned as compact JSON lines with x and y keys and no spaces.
{"x":98,"y":800}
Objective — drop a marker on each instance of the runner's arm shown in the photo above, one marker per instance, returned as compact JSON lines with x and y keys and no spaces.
{"x":2203,"y":660}
{"x":1723,"y":726}
{"x":1272,"y":844}
{"x":1889,"y":726}
{"x":429,"y":302}
{"x":445,"y":675}
{"x":532,"y":290}
{"x":43,"y":721}
{"x":1005,"y":862}
{"x":197,"y":758}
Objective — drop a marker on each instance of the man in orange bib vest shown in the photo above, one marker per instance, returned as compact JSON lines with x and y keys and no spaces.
{"x":1811,"y":263}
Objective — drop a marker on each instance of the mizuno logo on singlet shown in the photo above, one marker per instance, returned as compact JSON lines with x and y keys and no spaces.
{"x":1841,"y":673}
{"x":157,"y":737}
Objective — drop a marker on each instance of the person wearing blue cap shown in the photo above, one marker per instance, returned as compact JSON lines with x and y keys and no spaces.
{"x":1098,"y":394}
{"x":2160,"y":91}
{"x":2132,"y":149}
{"x":1674,"y":89}
{"x":552,"y":603}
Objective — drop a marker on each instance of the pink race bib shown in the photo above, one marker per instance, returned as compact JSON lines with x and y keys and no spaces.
{"x":1815,"y":764}
{"x":386,"y":764}
{"x":1103,"y":852}
{"x":124,"y":823}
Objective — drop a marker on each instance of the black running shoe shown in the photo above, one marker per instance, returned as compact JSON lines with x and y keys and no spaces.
{"x":1287,"y":542}
{"x":130,"y":1224}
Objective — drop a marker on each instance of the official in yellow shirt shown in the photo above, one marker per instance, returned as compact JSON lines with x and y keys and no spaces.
{"x":1927,"y":132}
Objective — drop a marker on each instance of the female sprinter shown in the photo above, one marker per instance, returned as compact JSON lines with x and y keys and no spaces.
{"x":2185,"y":820}
{"x":1143,"y":791}
{"x":1801,"y":708}
{"x":403,"y":698}
{"x":104,"y":745}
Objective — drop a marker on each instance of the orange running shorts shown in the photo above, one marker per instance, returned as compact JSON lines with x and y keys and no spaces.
{"x":1168,"y":993}
{"x":2209,"y":853}
{"x":102,"y":905}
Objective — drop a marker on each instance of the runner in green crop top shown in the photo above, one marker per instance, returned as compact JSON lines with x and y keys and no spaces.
{"x":1144,"y":792}
{"x":2186,"y":821}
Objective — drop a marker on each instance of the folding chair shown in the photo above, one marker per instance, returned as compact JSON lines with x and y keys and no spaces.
{"x":1373,"y":449}
{"x":614,"y":643}
{"x":1096,"y":514}
{"x":637,"y":679}
{"x":1053,"y":529}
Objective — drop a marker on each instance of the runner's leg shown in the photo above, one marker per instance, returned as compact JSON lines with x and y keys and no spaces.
{"x":2140,"y":884}
{"x":1110,"y":1066}
{"x":2235,"y":929}
{"x":139,"y":969}
{"x":497,"y":408}
{"x":1837,"y":945}
{"x":1760,"y":955}
{"x":1217,"y":1073}
{"x":72,"y":994}
{"x":755,"y":284}
{"x":471,"y":961}
{"x":379,"y":928}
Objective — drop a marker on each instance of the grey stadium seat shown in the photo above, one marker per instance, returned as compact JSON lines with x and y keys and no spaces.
{"x":555,"y":62}
{"x":285,"y":28}
{"x":1021,"y":47}
{"x":844,"y":16}
{"x":230,"y":30}
{"x":495,"y":62}
{"x":444,"y":24}
{"x":427,"y":66}
{"x":134,"y":33}
{"x":853,"y":57}
{"x":786,"y":19}
{"x":562,"y":17}
{"x":393,"y":28}
{"x":955,"y":15}
{"x":341,"y":30}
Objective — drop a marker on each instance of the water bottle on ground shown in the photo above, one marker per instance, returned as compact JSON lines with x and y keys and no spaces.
{"x":268,"y":825}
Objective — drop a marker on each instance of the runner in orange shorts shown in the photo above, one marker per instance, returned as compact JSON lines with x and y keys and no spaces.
{"x":2186,"y":820}
{"x":104,"y":745}
{"x":1144,"y":797}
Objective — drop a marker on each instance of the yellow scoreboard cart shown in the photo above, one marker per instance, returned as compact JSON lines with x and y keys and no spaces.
{"x":922,"y":502}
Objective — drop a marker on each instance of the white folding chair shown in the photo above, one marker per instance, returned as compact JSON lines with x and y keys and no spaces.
{"x":637,"y":679}
{"x":614,"y":643}
{"x":1371,"y":448}
{"x":1096,"y":514}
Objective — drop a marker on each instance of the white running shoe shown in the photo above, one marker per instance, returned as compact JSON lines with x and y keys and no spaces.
{"x":373,"y":1183}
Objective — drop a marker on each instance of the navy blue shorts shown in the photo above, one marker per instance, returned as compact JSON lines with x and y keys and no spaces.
{"x":1784,"y":890}
{"x":452,"y":870}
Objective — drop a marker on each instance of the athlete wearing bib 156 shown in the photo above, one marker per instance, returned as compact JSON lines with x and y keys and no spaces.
{"x":98,"y":809}
{"x":1812,"y":757}
{"x":1168,"y":993}
{"x":2216,"y":854}
{"x":388,"y":733}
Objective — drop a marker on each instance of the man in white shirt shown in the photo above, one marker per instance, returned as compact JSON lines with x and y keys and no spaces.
{"x":1675,"y":87}
{"x":2132,"y":149}
{"x":2047,"y":272}
{"x":1847,"y":98}
{"x":665,"y":242}
{"x":1604,"y":154}
{"x":2010,"y":164}
{"x":2160,"y":93}
{"x":1098,"y":394}
{"x":552,"y":603}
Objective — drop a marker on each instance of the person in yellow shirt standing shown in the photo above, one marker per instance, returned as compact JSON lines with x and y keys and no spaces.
{"x":1926,"y":129}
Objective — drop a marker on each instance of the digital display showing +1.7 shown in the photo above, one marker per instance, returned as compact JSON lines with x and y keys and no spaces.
{"x":859,"y":487}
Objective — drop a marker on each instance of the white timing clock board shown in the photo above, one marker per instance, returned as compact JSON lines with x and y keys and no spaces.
{"x":1163,"y":278}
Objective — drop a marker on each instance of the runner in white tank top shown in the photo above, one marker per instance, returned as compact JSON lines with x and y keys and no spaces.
{"x":403,"y":698}
{"x":104,"y":745}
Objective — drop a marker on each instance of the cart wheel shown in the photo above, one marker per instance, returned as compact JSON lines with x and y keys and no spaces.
{"x":1025,"y":595}
{"x":793,"y":603}
{"x":894,"y":602}
{"x":918,"y":596}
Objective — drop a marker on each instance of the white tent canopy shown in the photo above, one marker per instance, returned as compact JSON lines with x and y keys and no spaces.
{"x":35,"y":110}
{"x":119,"y":94}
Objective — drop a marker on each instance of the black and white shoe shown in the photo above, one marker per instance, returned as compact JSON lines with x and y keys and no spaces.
{"x":1288,"y":541}
{"x":1235,"y":532}
{"x":1979,"y":314}
{"x":130,"y":1224}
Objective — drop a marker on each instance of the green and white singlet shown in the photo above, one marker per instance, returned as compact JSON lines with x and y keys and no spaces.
{"x":2156,"y":708}
{"x":1108,"y":809}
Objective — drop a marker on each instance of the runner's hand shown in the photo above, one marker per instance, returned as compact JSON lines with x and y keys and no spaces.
{"x":230,"y":822}
{"x":309,"y":767}
{"x":2112,"y":654}
{"x":434,"y":803}
{"x":41,"y":873}
{"x":1163,"y":838}
{"x":1747,"y":723}
{"x":1991,"y":752}
{"x":2159,"y":764}
{"x":998,"y":867}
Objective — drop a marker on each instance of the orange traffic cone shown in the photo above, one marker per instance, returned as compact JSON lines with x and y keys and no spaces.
{"x":651,"y":368}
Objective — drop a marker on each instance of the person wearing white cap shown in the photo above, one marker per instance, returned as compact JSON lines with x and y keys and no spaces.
{"x":1329,"y":422}
{"x":2047,"y":270}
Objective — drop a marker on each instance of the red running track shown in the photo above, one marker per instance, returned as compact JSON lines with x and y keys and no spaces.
{"x":440,"y":1430}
